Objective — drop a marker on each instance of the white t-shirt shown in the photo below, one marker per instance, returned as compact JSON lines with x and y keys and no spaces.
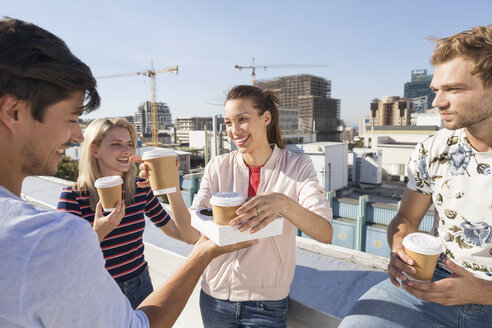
{"x":52,"y":272}
{"x":459,"y":178}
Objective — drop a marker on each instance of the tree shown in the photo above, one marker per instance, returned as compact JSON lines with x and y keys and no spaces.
{"x":68,"y":169}
{"x":357,"y":144}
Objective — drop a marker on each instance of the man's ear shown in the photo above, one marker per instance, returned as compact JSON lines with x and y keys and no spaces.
{"x":10,"y":108}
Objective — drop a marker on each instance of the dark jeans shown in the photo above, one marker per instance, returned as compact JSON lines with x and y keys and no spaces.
{"x":137,"y":288}
{"x":385,"y":305}
{"x":218,"y":313}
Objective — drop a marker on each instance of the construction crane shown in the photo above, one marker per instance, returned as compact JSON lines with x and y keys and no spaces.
{"x":253,"y":67}
{"x":151,"y":73}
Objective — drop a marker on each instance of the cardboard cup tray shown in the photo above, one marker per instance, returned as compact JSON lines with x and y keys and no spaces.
{"x":227,"y":235}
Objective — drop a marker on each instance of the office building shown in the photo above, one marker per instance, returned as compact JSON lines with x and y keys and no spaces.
{"x":289,"y":127}
{"x":418,"y":87}
{"x":143,"y":117}
{"x":420,"y":104}
{"x":194,"y":123}
{"x":288,"y":120}
{"x":185,"y":124}
{"x":311,"y":95}
{"x":390,"y":111}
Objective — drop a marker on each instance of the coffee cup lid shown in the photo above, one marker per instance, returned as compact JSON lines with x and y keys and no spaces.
{"x":108,"y":182}
{"x":157,"y":153}
{"x":422,"y":243}
{"x":227,"y":199}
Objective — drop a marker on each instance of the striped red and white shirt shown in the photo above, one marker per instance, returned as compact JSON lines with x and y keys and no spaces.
{"x":123,"y":247}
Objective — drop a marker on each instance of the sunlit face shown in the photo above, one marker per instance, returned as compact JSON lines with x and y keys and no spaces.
{"x":462,"y":99}
{"x":246,"y":128}
{"x":47,"y":140}
{"x":113,"y":154}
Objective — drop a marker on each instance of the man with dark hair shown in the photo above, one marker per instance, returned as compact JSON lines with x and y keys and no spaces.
{"x":39,"y":68}
{"x":452,"y":170}
{"x":52,"y":269}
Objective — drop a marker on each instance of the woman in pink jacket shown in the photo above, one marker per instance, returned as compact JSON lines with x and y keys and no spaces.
{"x":250,"y":287}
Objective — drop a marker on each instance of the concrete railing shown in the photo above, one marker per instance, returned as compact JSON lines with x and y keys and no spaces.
{"x":374,"y":262}
{"x":362,"y":225}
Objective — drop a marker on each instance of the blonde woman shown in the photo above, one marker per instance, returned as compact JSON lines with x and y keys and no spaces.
{"x":107,"y":150}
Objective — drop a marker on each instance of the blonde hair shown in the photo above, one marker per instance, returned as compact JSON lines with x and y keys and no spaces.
{"x":475,"y":44}
{"x":89,"y":172}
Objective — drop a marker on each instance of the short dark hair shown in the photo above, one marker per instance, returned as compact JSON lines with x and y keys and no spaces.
{"x":263,"y":101}
{"x":38,"y":67}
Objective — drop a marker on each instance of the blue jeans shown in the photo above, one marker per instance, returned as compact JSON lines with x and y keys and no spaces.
{"x":137,"y":288}
{"x":218,"y":313}
{"x":385,"y":305}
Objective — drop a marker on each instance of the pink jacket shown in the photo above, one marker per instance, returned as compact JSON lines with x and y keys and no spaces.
{"x":263,"y":271}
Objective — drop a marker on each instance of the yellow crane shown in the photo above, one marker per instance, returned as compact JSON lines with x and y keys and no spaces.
{"x":253,"y":67}
{"x":151,"y":73}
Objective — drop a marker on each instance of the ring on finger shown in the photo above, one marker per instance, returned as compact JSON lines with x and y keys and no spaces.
{"x":258,"y":211}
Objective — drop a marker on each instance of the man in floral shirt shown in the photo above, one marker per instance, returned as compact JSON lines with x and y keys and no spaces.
{"x":451,"y":169}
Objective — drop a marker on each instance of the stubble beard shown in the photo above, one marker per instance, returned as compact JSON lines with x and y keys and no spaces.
{"x":476,"y":117}
{"x":37,"y":161}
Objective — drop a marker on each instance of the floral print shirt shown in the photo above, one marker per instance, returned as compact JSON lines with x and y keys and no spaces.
{"x":459,"y":178}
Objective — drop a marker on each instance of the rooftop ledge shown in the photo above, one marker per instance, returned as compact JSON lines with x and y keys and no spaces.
{"x":328,"y":279}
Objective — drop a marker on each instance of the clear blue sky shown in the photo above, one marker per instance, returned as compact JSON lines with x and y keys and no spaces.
{"x":370,"y":45}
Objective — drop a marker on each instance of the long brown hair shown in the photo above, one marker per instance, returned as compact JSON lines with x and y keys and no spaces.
{"x":262,"y":101}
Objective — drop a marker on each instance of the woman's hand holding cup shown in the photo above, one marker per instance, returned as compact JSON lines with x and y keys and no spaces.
{"x":144,"y":173}
{"x":258,"y":212}
{"x":103,"y":225}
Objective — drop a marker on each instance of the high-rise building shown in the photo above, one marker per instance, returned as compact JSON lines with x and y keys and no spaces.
{"x":391,"y":111}
{"x":143,"y":117}
{"x":311,"y":95}
{"x":130,"y":119}
{"x":420,"y":87}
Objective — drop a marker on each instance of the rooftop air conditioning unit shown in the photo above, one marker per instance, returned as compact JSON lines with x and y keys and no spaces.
{"x":367,"y":166}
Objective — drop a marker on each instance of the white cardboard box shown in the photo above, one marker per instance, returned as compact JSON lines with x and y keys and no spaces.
{"x":228,"y":235}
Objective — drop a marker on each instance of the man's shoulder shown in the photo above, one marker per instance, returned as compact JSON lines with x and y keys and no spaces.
{"x":27,"y":230}
{"x":19,"y":217}
{"x":442,"y":139}
{"x":43,"y":253}
{"x":445,"y":134}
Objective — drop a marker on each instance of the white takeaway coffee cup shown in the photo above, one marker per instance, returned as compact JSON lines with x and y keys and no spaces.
{"x":225,"y":205}
{"x":424,"y":249}
{"x":163,"y":173}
